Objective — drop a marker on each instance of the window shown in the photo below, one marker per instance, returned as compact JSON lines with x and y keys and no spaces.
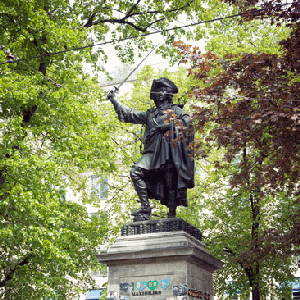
{"x":232,"y":290}
{"x":61,"y":190}
{"x":94,"y":294}
{"x":99,"y":273}
{"x":102,"y":214}
{"x":296,"y":295}
{"x":99,"y":187}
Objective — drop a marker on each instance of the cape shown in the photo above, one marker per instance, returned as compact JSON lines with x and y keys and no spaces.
{"x":165,"y":146}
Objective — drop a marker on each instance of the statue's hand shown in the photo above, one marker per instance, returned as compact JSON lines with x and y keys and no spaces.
{"x":112,"y":93}
{"x":159,"y":127}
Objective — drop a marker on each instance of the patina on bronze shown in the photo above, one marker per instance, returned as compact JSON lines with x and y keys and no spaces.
{"x":166,"y":169}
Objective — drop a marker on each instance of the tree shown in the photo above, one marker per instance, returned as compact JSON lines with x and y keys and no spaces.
{"x":52,"y":131}
{"x":251,"y":113}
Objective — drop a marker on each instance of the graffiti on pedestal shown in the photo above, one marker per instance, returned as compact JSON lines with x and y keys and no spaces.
{"x":144,"y":288}
{"x":198,"y":294}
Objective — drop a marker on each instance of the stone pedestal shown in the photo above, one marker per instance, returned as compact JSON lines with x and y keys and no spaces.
{"x":159,"y":265}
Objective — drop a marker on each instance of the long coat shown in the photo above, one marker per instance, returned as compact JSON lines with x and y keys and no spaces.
{"x":164,"y":144}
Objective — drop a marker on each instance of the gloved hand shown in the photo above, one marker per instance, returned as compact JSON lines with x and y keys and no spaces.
{"x":111,"y":95}
{"x":155,"y":126}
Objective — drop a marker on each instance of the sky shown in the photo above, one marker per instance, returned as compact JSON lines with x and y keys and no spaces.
{"x":118,"y":71}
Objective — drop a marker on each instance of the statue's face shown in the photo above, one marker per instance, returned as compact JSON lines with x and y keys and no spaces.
{"x":160,"y":95}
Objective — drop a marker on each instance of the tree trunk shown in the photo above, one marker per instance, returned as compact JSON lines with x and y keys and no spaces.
{"x":253,"y":273}
{"x":255,"y":269}
{"x":255,"y":293}
{"x":255,"y":282}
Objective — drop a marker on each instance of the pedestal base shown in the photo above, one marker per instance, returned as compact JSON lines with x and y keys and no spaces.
{"x":161,"y":265}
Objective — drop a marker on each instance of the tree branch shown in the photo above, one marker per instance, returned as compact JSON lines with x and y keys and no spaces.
{"x":89,"y":23}
{"x":120,"y":21}
{"x":133,"y":8}
{"x":10,"y":274}
{"x":131,"y":14}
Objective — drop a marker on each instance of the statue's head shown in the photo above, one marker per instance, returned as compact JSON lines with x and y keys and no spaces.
{"x":162,"y":90}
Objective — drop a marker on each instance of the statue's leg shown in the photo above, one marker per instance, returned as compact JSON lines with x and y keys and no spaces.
{"x":138,"y":179}
{"x":171,"y":178}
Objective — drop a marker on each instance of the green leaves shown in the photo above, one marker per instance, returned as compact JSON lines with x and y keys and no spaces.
{"x":248,"y":111}
{"x":53,"y":131}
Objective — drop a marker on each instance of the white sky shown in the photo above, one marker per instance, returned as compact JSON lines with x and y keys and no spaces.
{"x":155,"y":60}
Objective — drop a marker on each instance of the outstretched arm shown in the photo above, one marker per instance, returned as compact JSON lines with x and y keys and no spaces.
{"x":126,"y":114}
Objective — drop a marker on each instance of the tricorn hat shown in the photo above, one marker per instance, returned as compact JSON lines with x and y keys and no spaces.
{"x":162,"y":82}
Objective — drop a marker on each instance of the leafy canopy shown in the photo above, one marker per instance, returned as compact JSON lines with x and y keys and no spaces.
{"x":248,"y":107}
{"x":52,"y":131}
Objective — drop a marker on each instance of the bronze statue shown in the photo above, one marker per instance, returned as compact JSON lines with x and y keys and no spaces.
{"x":166,"y":169}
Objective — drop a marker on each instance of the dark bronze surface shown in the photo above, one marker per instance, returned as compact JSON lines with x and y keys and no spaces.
{"x":166,"y":169}
{"x":161,"y":225}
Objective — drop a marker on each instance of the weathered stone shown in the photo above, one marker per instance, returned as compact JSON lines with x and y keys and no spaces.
{"x":159,"y":265}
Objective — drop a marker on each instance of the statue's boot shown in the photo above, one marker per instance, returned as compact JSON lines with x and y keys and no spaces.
{"x":137,"y":177}
{"x":172,"y":203}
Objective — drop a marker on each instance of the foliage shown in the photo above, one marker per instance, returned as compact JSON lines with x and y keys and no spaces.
{"x":52,"y":131}
{"x":224,"y":215}
{"x":249,"y":109}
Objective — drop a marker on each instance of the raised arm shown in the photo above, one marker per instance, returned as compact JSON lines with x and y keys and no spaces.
{"x":126,"y":114}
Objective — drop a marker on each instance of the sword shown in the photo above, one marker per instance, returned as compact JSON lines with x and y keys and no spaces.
{"x":116,"y":88}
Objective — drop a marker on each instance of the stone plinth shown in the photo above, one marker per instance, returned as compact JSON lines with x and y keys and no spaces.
{"x":161,"y":225}
{"x":159,"y":265}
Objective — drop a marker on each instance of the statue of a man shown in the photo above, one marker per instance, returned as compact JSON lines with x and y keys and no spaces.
{"x":166,"y":169}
